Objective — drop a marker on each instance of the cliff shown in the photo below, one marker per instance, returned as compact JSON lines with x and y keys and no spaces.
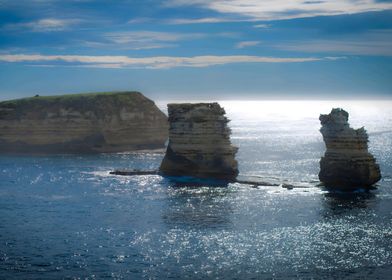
{"x":347,"y":163}
{"x":199,"y":142}
{"x":81,"y":123}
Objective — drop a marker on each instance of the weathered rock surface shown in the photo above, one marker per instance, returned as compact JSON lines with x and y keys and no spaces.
{"x":81,"y":123}
{"x":347,"y":163}
{"x":199,"y":142}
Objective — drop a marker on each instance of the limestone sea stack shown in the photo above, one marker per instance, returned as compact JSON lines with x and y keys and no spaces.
{"x":82,"y":123}
{"x":347,"y":164}
{"x":199,"y":142}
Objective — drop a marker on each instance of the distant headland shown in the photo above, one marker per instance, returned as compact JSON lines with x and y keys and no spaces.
{"x":81,"y":123}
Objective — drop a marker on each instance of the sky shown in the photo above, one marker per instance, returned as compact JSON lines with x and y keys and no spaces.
{"x":198,"y":49}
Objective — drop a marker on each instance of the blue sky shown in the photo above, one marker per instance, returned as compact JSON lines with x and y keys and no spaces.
{"x":198,"y":49}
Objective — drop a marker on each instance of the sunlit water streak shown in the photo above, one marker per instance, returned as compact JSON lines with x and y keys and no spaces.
{"x":65,"y":217}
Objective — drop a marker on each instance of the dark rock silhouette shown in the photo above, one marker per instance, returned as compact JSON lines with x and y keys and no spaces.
{"x":81,"y":123}
{"x":199,"y":142}
{"x":133,"y":172}
{"x":347,"y":164}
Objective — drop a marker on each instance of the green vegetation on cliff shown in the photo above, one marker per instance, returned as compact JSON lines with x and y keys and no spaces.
{"x":97,"y":102}
{"x":70,"y":98}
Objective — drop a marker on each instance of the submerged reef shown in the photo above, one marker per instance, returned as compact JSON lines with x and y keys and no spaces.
{"x":199,"y":143}
{"x":81,"y":123}
{"x":347,"y":163}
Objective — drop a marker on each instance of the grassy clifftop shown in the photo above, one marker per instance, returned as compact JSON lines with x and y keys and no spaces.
{"x":69,"y":98}
{"x":99,"y":103}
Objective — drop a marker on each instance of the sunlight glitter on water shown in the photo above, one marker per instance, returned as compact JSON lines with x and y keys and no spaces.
{"x":66,"y":217}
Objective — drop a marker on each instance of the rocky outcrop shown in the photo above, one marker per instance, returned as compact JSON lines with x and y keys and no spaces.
{"x":199,"y":142}
{"x":81,"y":123}
{"x":347,"y":163}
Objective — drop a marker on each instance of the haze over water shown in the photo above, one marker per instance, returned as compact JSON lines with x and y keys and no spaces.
{"x":65,"y":217}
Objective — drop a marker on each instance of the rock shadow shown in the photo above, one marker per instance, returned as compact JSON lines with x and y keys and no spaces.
{"x":338,"y":203}
{"x":198,"y":204}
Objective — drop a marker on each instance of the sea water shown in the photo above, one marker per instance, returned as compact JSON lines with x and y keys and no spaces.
{"x":64,"y":216}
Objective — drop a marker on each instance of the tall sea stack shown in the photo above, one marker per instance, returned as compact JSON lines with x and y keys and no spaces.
{"x":199,"y":142}
{"x":347,"y":164}
{"x":82,"y":123}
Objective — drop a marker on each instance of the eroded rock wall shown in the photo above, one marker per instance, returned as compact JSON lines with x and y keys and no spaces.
{"x":82,"y":123}
{"x":347,"y":163}
{"x":199,"y":142}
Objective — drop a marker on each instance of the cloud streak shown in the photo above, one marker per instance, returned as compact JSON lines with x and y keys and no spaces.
{"x":286,"y":9}
{"x":143,"y":40}
{"x":44,"y":25}
{"x":375,"y":43}
{"x":197,"y":20}
{"x":179,"y":21}
{"x":246,"y":44}
{"x":262,"y":26}
{"x":156,"y":62}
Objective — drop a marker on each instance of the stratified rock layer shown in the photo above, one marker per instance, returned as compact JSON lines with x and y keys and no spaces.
{"x":347,"y":163}
{"x":81,"y":123}
{"x":199,"y":142}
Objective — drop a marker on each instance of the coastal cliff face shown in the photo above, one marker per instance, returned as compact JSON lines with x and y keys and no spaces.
{"x":199,"y":142}
{"x":347,"y":163}
{"x":81,"y":123}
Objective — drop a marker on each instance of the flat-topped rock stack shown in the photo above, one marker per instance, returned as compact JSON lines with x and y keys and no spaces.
{"x":347,"y":164}
{"x":199,"y":142}
{"x":82,"y":123}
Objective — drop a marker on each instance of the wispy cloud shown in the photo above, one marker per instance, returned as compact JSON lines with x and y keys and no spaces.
{"x":189,"y":21}
{"x":262,"y":25}
{"x":140,"y":20}
{"x":205,"y":20}
{"x":245,"y":44}
{"x":156,"y":62}
{"x":139,"y":40}
{"x":127,"y":46}
{"x":43,"y":25}
{"x":375,"y":42}
{"x":144,"y":37}
{"x":196,"y":20}
{"x":286,"y":9}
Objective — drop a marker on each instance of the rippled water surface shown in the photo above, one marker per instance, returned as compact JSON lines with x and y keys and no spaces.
{"x":65,"y":217}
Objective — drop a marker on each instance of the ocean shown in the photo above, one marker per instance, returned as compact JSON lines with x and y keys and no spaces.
{"x":65,"y":217}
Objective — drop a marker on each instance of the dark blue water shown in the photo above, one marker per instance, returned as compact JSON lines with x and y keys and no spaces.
{"x":65,"y":217}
